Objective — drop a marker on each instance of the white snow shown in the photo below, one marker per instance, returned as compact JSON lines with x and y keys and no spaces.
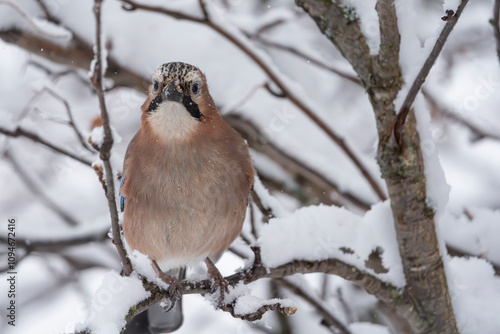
{"x":52,"y":30}
{"x":97,"y":136}
{"x":318,"y":232}
{"x":142,"y":265}
{"x":368,"y":328}
{"x":104,"y":60}
{"x":451,"y":4}
{"x":267,"y":200}
{"x":369,"y":22}
{"x":478,"y":236}
{"x":247,"y":304}
{"x":475,"y":294}
{"x":436,"y":186}
{"x":111,"y":303}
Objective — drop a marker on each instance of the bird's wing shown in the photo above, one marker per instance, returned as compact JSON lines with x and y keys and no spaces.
{"x":122,"y":198}
{"x":124,"y":176}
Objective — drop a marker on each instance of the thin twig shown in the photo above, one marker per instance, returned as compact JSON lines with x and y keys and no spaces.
{"x":57,"y":75}
{"x":237,"y":252}
{"x":71,"y":121}
{"x":55,"y":245}
{"x":48,"y":14}
{"x":19,"y":258}
{"x":243,"y":100}
{"x":20,"y":132}
{"x":105,"y":149}
{"x":347,"y":310}
{"x":33,"y":187}
{"x":253,"y":222}
{"x":478,"y":132}
{"x":269,"y":26}
{"x":325,"y":286}
{"x":496,"y":25}
{"x":203,"y":9}
{"x":307,"y":58}
{"x":328,"y":317}
{"x":132,"y":5}
{"x":280,"y":95}
{"x":451,"y":19}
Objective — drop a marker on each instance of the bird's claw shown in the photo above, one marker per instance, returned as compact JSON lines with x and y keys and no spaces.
{"x":218,"y":281}
{"x":175,"y":288}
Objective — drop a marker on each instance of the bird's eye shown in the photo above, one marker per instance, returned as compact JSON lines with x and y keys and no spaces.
{"x":195,"y":88}
{"x":156,"y":85}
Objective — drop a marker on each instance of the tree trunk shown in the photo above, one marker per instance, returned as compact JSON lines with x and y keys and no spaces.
{"x":425,"y":301}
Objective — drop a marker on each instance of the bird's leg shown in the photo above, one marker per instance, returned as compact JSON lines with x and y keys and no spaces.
{"x":175,"y":287}
{"x":217,"y":278}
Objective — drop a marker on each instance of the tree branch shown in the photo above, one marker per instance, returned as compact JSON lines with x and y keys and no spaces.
{"x":48,"y":14}
{"x":451,"y":19}
{"x":105,"y":149}
{"x":403,"y":170}
{"x":307,"y":58}
{"x":20,"y":132}
{"x":382,"y":290}
{"x":328,"y":317}
{"x":71,"y":121}
{"x":56,"y":245}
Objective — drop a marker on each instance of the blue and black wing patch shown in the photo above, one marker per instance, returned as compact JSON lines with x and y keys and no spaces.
{"x":122,"y":198}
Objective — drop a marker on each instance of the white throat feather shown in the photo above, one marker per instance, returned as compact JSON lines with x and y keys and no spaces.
{"x":172,"y":121}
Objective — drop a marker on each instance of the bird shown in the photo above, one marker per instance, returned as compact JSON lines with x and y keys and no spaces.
{"x":186,"y":182}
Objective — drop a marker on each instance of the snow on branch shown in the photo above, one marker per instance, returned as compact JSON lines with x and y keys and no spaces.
{"x":319,"y":233}
{"x":37,"y":26}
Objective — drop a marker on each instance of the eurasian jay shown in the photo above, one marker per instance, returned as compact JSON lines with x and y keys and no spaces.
{"x":186,"y":179}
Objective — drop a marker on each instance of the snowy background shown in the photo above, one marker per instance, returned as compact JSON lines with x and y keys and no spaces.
{"x":55,"y":286}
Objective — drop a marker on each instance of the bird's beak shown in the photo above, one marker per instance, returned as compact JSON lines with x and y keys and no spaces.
{"x":170,"y":93}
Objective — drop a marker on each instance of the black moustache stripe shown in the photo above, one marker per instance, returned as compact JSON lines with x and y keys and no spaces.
{"x":191,"y":107}
{"x":188,"y":103}
{"x":155,"y":103}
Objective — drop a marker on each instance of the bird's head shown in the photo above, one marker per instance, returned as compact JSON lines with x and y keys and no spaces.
{"x":178,"y":101}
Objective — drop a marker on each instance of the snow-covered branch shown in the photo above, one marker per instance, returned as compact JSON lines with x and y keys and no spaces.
{"x":249,"y":308}
{"x":107,"y":144}
{"x":401,"y":161}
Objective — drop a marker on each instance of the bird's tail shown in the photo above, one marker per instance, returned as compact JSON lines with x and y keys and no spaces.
{"x":155,"y":320}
